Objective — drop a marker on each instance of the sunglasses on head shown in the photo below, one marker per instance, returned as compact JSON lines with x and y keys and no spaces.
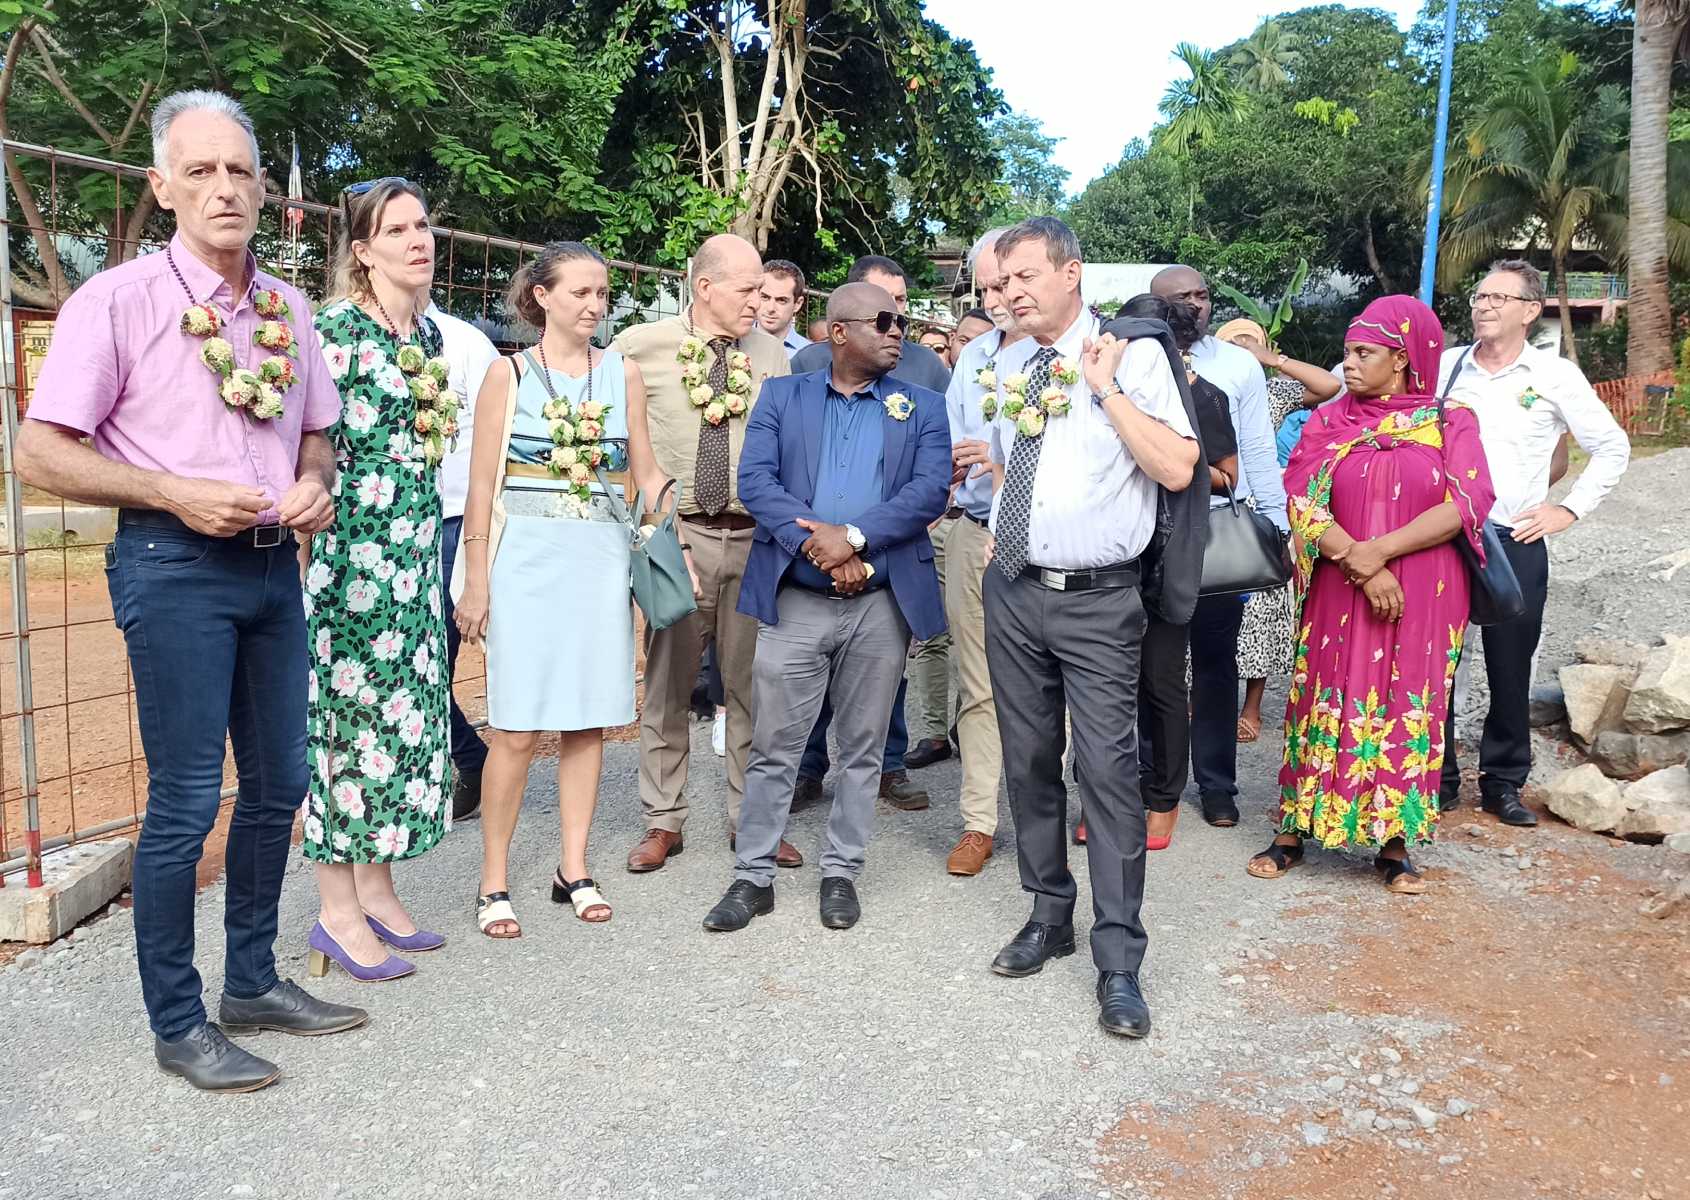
{"x":358,"y":189}
{"x":883,"y":321}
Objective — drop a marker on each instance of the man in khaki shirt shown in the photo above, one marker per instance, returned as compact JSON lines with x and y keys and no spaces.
{"x":703,"y":371}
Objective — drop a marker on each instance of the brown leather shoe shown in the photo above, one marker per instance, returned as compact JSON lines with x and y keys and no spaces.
{"x":970,"y":854}
{"x":786,"y":854}
{"x":653,"y":850}
{"x":897,"y":790}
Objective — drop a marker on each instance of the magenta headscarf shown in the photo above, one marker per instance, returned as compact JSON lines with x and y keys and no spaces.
{"x":1334,"y":429}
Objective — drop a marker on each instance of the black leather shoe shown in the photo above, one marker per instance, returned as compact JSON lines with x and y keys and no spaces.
{"x":927,"y":752}
{"x":1448,"y":801}
{"x":466,"y":796}
{"x":1123,"y":1008}
{"x":839,"y":907}
{"x":288,"y":1008}
{"x":807,"y":791}
{"x":212,"y":1063}
{"x":1029,"y":950}
{"x":1505,"y":806}
{"x":1219,"y":809}
{"x":897,"y":790}
{"x":743,"y":901}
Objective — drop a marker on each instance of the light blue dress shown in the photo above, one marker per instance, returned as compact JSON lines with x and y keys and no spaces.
{"x":560,"y":630}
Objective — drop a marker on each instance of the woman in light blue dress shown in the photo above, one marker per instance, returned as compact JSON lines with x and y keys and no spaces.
{"x":545,"y":582}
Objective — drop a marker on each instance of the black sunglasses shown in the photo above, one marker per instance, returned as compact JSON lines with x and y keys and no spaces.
{"x":883,"y":321}
{"x":358,"y":189}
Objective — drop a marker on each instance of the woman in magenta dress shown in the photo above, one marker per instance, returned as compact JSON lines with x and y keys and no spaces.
{"x":1380,"y":487}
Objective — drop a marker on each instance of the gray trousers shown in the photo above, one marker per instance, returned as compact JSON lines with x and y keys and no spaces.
{"x":851,"y":650}
{"x":1048,"y":650}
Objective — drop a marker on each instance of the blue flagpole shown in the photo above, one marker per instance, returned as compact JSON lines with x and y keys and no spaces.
{"x":1435,"y":202}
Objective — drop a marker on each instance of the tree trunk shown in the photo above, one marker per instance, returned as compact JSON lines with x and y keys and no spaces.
{"x":1649,"y":310}
{"x":1373,"y":263}
{"x":1569,"y":347}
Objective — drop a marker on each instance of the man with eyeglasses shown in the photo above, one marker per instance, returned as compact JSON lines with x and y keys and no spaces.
{"x":1526,"y":399}
{"x":844,"y":469}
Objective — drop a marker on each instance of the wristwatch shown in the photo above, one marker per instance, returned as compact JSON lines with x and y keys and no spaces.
{"x":1114,"y":389}
{"x":855,"y":537}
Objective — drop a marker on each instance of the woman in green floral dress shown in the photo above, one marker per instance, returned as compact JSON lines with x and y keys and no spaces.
{"x":378,"y":736}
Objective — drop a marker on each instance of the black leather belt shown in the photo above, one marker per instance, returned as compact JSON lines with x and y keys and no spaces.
{"x":1120,"y":575}
{"x":981,"y":522}
{"x":259,"y":537}
{"x":830,"y":594}
{"x":953,"y":512}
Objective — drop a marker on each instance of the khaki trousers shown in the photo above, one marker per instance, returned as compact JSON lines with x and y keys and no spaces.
{"x":977,"y":717}
{"x":671,"y":667}
{"x":928,"y":701}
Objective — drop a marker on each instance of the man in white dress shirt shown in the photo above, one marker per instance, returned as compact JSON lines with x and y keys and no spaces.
{"x":977,"y":717}
{"x":469,"y":353}
{"x":1215,"y":623}
{"x":1064,"y":619}
{"x":779,"y":302}
{"x":1525,"y":399}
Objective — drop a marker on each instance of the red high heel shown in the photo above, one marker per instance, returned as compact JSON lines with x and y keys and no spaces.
{"x":1080,"y":832}
{"x":1152,"y":842}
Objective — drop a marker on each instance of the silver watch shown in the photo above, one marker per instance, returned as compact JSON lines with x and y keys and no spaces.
{"x":855,"y":536}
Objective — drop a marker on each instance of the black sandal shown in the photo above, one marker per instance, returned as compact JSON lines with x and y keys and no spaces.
{"x":583,"y":896}
{"x":1401,"y":876}
{"x":1281,"y":856}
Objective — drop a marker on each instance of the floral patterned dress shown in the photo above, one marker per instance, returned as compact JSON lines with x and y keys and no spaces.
{"x":378,"y":738}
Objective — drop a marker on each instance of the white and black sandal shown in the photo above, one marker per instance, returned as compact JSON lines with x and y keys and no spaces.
{"x":495,"y":909}
{"x":584,"y":896}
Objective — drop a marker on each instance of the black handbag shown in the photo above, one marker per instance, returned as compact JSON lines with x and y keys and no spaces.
{"x":1494,"y":594}
{"x":1244,"y":552}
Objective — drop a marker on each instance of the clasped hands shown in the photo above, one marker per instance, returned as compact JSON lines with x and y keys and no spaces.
{"x":1363,"y":564}
{"x":1100,"y":359}
{"x":830,"y":552}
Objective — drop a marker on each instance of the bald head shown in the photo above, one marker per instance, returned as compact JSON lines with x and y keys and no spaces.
{"x":858,"y":300}
{"x":1182,"y":285}
{"x":727,"y":274}
{"x":861,"y":350}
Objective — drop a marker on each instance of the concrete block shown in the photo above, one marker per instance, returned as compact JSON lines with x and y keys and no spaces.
{"x":77,"y":881}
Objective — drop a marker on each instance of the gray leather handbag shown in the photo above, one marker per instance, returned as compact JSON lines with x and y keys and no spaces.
{"x":662,"y":583}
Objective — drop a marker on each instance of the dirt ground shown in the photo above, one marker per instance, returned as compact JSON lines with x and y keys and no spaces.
{"x":1582,"y":1092}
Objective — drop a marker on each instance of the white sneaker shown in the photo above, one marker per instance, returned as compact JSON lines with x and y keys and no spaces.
{"x":719,"y":735}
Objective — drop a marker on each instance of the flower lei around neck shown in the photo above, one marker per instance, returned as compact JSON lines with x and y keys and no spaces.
{"x":1029,"y":416}
{"x":735,"y":400}
{"x":257,"y":393}
{"x":436,"y":421}
{"x":576,"y":430}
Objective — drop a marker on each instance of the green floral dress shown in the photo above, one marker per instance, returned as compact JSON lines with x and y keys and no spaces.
{"x":378,"y":738}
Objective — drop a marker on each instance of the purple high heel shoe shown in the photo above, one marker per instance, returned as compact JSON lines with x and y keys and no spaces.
{"x":411,"y":943}
{"x":325,"y":949}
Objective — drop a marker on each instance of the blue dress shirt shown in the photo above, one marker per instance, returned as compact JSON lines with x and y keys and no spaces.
{"x":1236,"y":372}
{"x":851,"y":475}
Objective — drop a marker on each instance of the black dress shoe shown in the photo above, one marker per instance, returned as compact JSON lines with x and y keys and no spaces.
{"x":1449,"y":801}
{"x":1123,"y":1008}
{"x":1219,"y":809}
{"x":1029,"y":950}
{"x":288,"y":1008}
{"x":743,"y":901}
{"x":839,"y":907}
{"x":212,"y":1063}
{"x":927,"y":752}
{"x":1505,"y":806}
{"x":466,"y":796}
{"x":807,"y":791}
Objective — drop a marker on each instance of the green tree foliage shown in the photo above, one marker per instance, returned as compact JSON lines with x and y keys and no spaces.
{"x":1033,"y":182}
{"x":1265,"y":60}
{"x":1133,"y":212}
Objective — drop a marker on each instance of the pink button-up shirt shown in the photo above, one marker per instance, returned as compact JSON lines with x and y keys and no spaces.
{"x":121,"y":371}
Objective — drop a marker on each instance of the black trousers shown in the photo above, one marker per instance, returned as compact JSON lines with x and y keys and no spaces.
{"x":1049,"y":651}
{"x":1164,"y":721}
{"x":1214,"y":693}
{"x":1505,"y":752}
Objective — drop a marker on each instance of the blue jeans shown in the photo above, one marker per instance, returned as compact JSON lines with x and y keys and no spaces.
{"x":216,"y":637}
{"x":1214,"y":693}
{"x":469,"y":752}
{"x":815,"y":762}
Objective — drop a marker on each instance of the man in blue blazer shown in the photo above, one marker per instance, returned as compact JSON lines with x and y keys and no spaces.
{"x":844,"y":469}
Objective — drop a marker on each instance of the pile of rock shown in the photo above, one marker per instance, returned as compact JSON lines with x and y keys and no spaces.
{"x":1628,"y":710}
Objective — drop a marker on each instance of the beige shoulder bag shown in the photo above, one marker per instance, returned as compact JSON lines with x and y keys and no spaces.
{"x":496,"y":518}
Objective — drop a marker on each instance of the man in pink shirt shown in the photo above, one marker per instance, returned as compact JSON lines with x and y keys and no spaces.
{"x":174,"y":366}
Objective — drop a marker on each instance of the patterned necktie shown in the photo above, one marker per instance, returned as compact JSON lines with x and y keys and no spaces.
{"x":710,"y":478}
{"x":1015,"y":509}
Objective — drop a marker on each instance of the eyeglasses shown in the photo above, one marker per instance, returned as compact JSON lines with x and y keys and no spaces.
{"x":358,"y":189}
{"x":1494,"y":299}
{"x":883,"y":322}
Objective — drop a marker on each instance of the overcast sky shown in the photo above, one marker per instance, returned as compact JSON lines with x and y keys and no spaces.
{"x":1091,"y":72}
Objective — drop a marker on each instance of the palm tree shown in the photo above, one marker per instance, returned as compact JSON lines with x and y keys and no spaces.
{"x":1659,"y":24}
{"x":1197,"y":107}
{"x":1266,"y":59}
{"x":1541,"y":161}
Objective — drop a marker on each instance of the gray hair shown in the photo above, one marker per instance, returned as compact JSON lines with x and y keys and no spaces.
{"x":180,"y":103}
{"x":1060,"y":242}
{"x":985,"y":242}
{"x":1531,"y":279}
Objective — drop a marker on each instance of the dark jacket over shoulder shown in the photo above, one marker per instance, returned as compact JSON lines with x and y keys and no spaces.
{"x":777,"y":482}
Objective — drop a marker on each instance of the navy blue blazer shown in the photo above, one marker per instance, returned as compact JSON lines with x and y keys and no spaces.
{"x":777,"y":484}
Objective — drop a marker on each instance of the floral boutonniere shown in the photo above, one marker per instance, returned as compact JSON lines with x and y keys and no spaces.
{"x":1529,"y":397}
{"x":986,"y":379}
{"x":1065,"y":371}
{"x":898,"y":406}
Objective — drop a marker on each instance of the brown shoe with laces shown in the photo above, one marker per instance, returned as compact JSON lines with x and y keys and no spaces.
{"x":786,"y":854}
{"x":970,"y":855}
{"x":653,"y":850}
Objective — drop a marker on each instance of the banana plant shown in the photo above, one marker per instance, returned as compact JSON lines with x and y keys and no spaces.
{"x":1275,"y":317}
